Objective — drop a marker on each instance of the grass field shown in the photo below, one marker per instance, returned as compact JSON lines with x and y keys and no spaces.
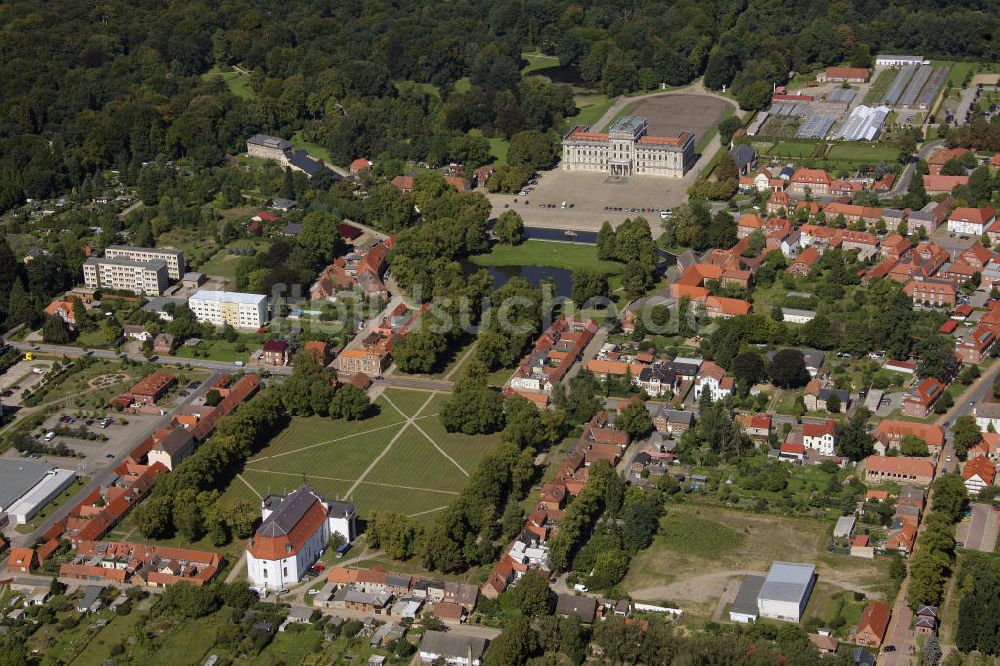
{"x":236,"y":82}
{"x":857,"y":152}
{"x":429,"y":88}
{"x":699,"y":550}
{"x":216,"y":350}
{"x":382,"y":463}
{"x":498,"y":147}
{"x":592,"y":106}
{"x":880,"y":86}
{"x":224,"y":264}
{"x":316,"y":150}
{"x":538,"y":61}
{"x":794,"y":149}
{"x":569,"y":256}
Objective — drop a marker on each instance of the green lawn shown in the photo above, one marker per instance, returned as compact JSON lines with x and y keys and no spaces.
{"x":538,"y":61}
{"x":83,"y":385}
{"x":237,"y":83}
{"x":880,"y":86}
{"x":409,"y":402}
{"x":418,"y":475}
{"x":498,"y":147}
{"x":216,"y":350}
{"x":316,"y":150}
{"x":224,"y":264}
{"x":592,"y":106}
{"x":794,"y":149}
{"x":863,"y":152}
{"x":429,"y":88}
{"x":569,"y":256}
{"x":463,"y":84}
{"x":690,"y":534}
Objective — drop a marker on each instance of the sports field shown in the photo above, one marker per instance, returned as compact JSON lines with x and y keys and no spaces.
{"x":400,"y":460}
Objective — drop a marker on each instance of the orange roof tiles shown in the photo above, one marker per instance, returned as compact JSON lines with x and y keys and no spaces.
{"x":981,"y":467}
{"x":900,"y":465}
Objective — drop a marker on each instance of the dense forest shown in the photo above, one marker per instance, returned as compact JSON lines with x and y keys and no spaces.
{"x":92,"y":86}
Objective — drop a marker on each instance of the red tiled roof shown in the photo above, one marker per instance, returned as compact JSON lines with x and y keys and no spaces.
{"x":280,"y":547}
{"x":944,"y":183}
{"x":847,"y":72}
{"x":875,"y":618}
{"x":900,"y":465}
{"x":981,"y":467}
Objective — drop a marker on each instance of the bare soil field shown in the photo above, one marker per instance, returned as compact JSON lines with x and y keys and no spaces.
{"x":669,"y":115}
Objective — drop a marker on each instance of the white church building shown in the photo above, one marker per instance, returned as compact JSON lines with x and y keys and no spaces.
{"x":295,"y":531}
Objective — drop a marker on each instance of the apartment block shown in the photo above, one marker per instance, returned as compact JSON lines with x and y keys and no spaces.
{"x":140,"y":277}
{"x":227,"y":307}
{"x":174,"y":259}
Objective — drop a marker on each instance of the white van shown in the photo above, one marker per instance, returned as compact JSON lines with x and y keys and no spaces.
{"x":49,"y":436}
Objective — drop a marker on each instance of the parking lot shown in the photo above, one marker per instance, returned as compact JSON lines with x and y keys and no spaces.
{"x":122,"y":438}
{"x":21,"y":375}
{"x":979,"y":531}
{"x":592,"y":195}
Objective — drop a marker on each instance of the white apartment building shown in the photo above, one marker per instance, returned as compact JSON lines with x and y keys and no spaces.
{"x":228,"y":307}
{"x":174,"y":259}
{"x":140,"y":277}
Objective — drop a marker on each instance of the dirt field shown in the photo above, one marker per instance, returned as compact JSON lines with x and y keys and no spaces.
{"x":701,"y":552}
{"x":672,"y":114}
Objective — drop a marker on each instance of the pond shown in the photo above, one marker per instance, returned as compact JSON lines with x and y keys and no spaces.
{"x":562,"y":278}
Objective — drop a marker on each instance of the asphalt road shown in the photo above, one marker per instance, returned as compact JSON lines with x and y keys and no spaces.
{"x":903,"y":181}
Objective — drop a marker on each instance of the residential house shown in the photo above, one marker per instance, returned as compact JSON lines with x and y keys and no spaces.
{"x":932,"y":292}
{"x":135,"y":332}
{"x":874,"y":624}
{"x":756,"y":426}
{"x":671,"y":421}
{"x":937,"y":159}
{"x":972,"y":221}
{"x":890,"y":433}
{"x":921,"y":398}
{"x":321,"y":350}
{"x":779,"y":203}
{"x":804,"y":263}
{"x":748,"y":224}
{"x":62,"y":309}
{"x":813,"y":182}
{"x":745,"y":157}
{"x":972,"y":347}
{"x":978,"y":473}
{"x":926,"y":620}
{"x":275,"y":352}
{"x":584,"y":608}
{"x":820,"y":436}
{"x":712,"y":378}
{"x":943,"y":184}
{"x":894,"y":246}
{"x":900,"y":469}
{"x":452,"y":648}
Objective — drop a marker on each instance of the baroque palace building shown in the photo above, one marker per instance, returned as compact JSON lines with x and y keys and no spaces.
{"x":627,"y":150}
